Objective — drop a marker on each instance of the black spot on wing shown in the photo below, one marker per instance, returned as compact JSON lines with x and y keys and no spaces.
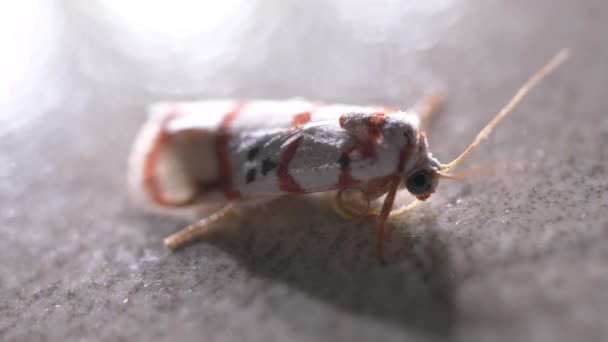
{"x":267,"y":166}
{"x":252,"y":153}
{"x":344,"y":160}
{"x":250,"y":177}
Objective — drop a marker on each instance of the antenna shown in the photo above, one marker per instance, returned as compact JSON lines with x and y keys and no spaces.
{"x":533,"y":81}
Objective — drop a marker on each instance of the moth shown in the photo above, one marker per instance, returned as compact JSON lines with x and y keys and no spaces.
{"x":221,"y":155}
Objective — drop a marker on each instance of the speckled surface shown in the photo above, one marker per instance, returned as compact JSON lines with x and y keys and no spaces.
{"x":519,"y":257}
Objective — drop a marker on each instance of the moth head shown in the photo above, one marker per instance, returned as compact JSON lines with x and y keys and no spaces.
{"x":423,"y":180}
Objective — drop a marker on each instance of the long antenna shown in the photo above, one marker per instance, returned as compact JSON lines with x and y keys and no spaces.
{"x":533,"y":81}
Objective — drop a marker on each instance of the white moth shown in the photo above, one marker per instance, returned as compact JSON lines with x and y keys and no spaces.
{"x":224,"y":154}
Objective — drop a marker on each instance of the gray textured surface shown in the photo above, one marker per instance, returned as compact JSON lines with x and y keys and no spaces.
{"x":521,"y":257}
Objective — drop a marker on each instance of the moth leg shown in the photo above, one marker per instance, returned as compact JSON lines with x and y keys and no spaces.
{"x":384,"y":215}
{"x":405,"y":208}
{"x":349,"y":212}
{"x":198,"y":229}
{"x":429,"y":106}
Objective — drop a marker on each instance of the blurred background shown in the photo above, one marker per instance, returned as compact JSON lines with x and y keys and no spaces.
{"x":521,"y":257}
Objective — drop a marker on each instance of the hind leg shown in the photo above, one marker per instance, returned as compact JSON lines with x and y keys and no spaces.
{"x":196,"y":230}
{"x":429,"y":106}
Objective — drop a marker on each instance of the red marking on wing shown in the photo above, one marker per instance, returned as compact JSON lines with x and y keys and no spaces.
{"x":286,"y":182}
{"x":377,"y":119}
{"x":149,"y":179}
{"x":405,"y":153}
{"x":224,"y":169}
{"x":374,"y":134}
{"x":300,"y":119}
{"x":341,"y":120}
{"x":345,"y":179}
{"x":367,"y":148}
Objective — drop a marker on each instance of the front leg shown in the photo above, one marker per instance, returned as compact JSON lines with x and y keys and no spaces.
{"x":355,"y":202}
{"x":356,"y":211}
{"x":383,"y":186}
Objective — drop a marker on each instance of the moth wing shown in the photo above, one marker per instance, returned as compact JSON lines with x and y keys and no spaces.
{"x":174,"y":158}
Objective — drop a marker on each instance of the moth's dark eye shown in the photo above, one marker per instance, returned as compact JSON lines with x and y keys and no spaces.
{"x":419,"y":183}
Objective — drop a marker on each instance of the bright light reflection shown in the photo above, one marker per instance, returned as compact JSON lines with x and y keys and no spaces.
{"x":177,"y":17}
{"x":26,"y":42}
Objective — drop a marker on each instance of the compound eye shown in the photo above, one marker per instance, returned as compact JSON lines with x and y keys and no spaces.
{"x":419,"y":183}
